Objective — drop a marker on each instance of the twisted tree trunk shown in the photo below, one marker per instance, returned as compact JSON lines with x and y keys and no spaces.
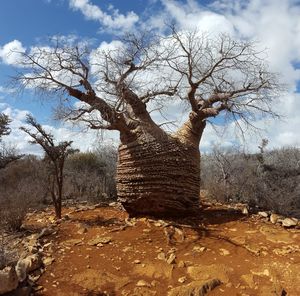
{"x":161,"y":176}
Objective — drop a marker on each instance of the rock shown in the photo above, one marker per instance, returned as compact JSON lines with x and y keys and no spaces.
{"x":99,"y":240}
{"x":260,"y":272}
{"x":142,"y":283}
{"x":207,"y":272}
{"x":141,"y":291}
{"x":157,"y":224}
{"x":274,"y":218}
{"x":26,"y":265}
{"x":253,"y":248}
{"x":285,"y":250}
{"x":8,"y":280}
{"x":159,"y":269}
{"x":181,"y":264}
{"x":199,"y":249}
{"x":137,"y":261}
{"x":34,"y":278}
{"x":199,"y":288}
{"x":224,"y":252}
{"x":276,"y":235}
{"x":82,"y":230}
{"x":171,"y":258}
{"x":182,"y":280}
{"x":66,"y":217}
{"x":48,"y":261}
{"x":263,"y":214}
{"x":161,"y":256}
{"x":249,"y":280}
{"x":91,"y":279}
{"x":46,"y":231}
{"x":38,"y":288}
{"x":245,"y":211}
{"x":289,"y":222}
{"x":72,"y":242}
{"x":127,"y":249}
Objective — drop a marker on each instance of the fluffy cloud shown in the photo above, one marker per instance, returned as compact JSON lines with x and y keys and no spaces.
{"x":84,"y":140}
{"x":9,"y":53}
{"x":113,"y":21}
{"x":275,"y":25}
{"x":191,"y":15}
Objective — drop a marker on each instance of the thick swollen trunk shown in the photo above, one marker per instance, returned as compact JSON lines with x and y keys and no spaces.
{"x":160,"y":177}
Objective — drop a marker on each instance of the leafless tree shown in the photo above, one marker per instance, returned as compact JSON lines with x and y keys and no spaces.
{"x":55,"y":156}
{"x":158,"y":172}
{"x":7,"y":154}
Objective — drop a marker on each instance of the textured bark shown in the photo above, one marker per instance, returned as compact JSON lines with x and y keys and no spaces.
{"x":160,"y":177}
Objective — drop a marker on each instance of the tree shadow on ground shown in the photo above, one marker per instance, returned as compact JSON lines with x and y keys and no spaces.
{"x":99,"y":221}
{"x":200,"y":221}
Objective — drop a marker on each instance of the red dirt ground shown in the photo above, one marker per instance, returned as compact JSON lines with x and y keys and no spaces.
{"x":248,"y":255}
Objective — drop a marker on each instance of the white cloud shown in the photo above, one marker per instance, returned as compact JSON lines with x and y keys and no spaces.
{"x":82,"y":140}
{"x":275,"y":24}
{"x":9,"y":53}
{"x":191,"y":16}
{"x":113,"y":21}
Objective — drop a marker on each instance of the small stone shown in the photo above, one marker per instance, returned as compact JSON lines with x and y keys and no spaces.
{"x":99,"y":240}
{"x":38,"y":288}
{"x":199,"y":249}
{"x":181,"y":264}
{"x":245,"y":211}
{"x":142,"y":283}
{"x":72,"y":242}
{"x":263,"y":214}
{"x":182,"y":279}
{"x":137,"y":261}
{"x":126,"y":249}
{"x":48,"y":261}
{"x":171,"y":258}
{"x":26,"y":265}
{"x":274,"y":218}
{"x":289,"y":222}
{"x":34,"y":278}
{"x":161,"y":256}
{"x":66,"y":217}
{"x":224,"y":252}
{"x":146,"y":230}
{"x":82,"y":230}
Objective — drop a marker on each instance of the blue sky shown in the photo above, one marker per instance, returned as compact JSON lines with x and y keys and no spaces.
{"x":27,"y":23}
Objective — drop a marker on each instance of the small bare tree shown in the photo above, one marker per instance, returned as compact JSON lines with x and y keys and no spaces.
{"x":55,"y":156}
{"x":7,"y":154}
{"x":158,"y":173}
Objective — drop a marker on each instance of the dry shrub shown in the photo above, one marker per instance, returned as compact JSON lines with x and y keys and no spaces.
{"x":268,"y":180}
{"x":22,"y":186}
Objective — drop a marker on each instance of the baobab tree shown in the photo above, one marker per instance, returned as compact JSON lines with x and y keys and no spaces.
{"x":117,"y":85}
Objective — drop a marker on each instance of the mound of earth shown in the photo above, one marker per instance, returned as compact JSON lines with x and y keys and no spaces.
{"x":100,"y":251}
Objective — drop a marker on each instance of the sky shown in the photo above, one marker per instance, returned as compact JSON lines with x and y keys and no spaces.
{"x":274,"y":24}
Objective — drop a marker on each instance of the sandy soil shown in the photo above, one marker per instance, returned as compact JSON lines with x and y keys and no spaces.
{"x":100,"y":251}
